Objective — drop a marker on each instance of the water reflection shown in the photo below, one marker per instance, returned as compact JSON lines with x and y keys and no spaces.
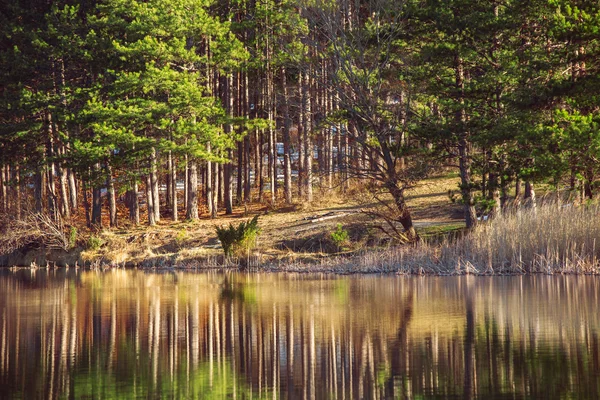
{"x":127,"y":334}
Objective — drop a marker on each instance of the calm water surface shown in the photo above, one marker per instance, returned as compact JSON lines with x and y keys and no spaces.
{"x":130,"y":334}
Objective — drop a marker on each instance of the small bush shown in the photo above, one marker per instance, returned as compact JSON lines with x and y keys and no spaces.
{"x":241,"y":238}
{"x":181,"y":237}
{"x":340,"y":236}
{"x":94,"y":243}
{"x":72,"y":237}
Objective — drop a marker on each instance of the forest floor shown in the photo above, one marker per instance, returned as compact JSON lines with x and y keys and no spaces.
{"x":296,"y":233}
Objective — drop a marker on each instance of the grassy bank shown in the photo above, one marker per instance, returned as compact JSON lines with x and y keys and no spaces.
{"x":552,"y":239}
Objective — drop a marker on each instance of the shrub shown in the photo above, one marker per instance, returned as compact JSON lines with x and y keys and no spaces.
{"x":238,"y":238}
{"x":181,"y":237}
{"x":340,"y":236}
{"x":94,"y":243}
{"x":72,"y":237}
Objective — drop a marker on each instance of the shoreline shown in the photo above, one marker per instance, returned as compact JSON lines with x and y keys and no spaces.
{"x":393,"y":261}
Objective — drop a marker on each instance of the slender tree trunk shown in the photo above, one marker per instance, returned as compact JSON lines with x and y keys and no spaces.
{"x":308,"y":153}
{"x":216,"y":189}
{"x":287,"y":163}
{"x":72,"y":190}
{"x":464,"y":152}
{"x":150,"y":201}
{"x":209,"y":188}
{"x":192,"y":201}
{"x":239,"y":188}
{"x":52,"y":198}
{"x":96,"y":207}
{"x":261,"y":173}
{"x":518,"y":187}
{"x":345,"y":161}
{"x":228,"y":177}
{"x":86,"y":205}
{"x":589,"y":179}
{"x":4,"y":184}
{"x":174,"y":205}
{"x":112,"y":202}
{"x":247,"y":146}
{"x":134,"y":206}
{"x":186,"y":175}
{"x":301,"y":151}
{"x":38,"y":183}
{"x":155,"y":184}
{"x":18,"y":184}
{"x":271,"y":166}
{"x":169,"y":186}
{"x":228,"y":168}
{"x":64,"y":196}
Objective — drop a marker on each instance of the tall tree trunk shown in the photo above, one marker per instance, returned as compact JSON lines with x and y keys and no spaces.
{"x":217,"y":170}
{"x":239,"y":188}
{"x":464,"y":151}
{"x":301,"y":151}
{"x":589,"y":179}
{"x":18,"y":184}
{"x":38,"y":183}
{"x":86,"y":205}
{"x":247,"y":145}
{"x":72,"y":190}
{"x":228,"y":186}
{"x":96,"y":219}
{"x":209,"y":187}
{"x":52,"y":197}
{"x":169,"y":186}
{"x":132,"y":202}
{"x":4,"y":184}
{"x":186,"y":175}
{"x":150,"y":201}
{"x":191,"y":212}
{"x":261,"y":172}
{"x":112,"y":201}
{"x":271,"y":166}
{"x":65,"y":209}
{"x":287,"y":162}
{"x":308,"y":153}
{"x":155,"y":184}
{"x":174,"y":205}
{"x":228,"y":168}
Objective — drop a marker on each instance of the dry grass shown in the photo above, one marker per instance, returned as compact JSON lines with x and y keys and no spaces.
{"x":553,"y":238}
{"x":34,"y":229}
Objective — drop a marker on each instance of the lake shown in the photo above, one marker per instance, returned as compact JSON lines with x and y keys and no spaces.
{"x":134,"y":334}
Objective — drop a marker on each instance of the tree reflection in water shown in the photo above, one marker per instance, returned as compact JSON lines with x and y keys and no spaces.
{"x":131,"y":334}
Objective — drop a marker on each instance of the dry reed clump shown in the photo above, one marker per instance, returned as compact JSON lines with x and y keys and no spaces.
{"x":550,"y":239}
